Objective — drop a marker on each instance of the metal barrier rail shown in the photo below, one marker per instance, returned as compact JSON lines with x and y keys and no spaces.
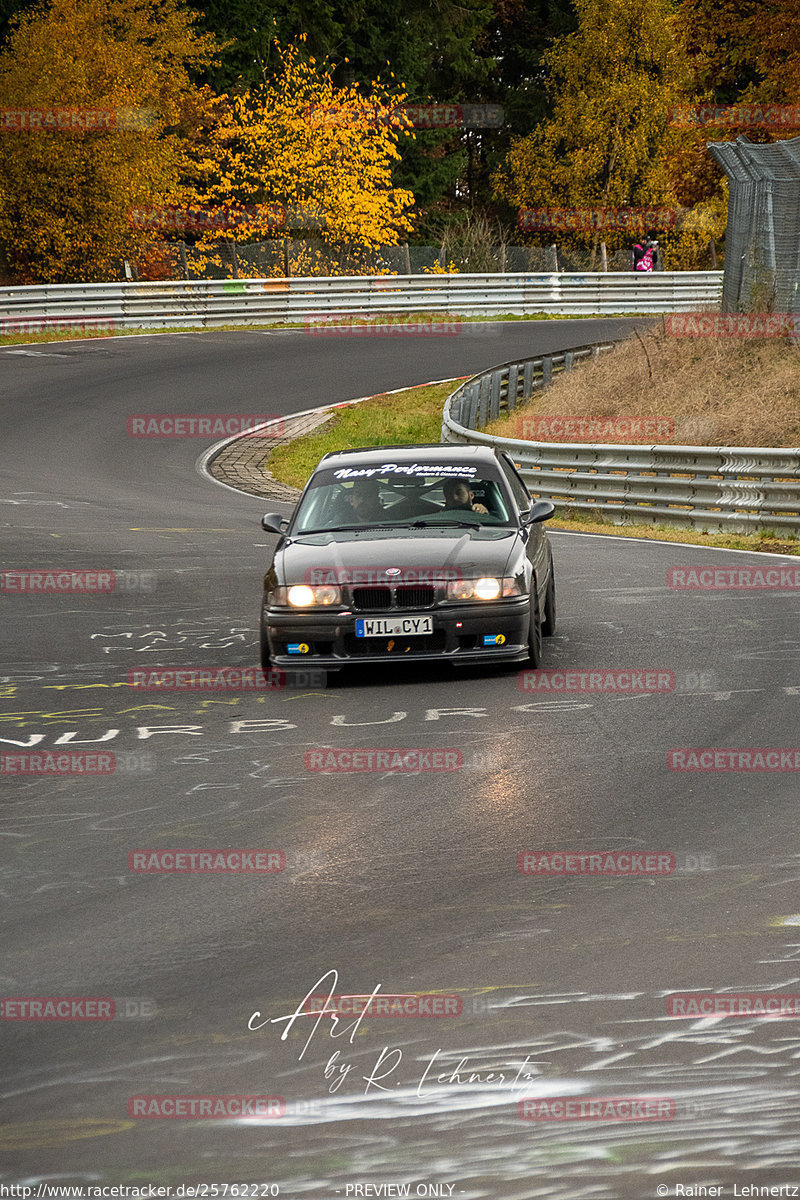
{"x":729,"y":488}
{"x":248,"y":301}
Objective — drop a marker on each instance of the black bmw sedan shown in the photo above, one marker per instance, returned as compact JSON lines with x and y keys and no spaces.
{"x":430,"y":552}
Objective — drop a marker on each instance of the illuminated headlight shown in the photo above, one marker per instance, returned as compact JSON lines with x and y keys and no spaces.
{"x":300,"y":595}
{"x":486,"y":588}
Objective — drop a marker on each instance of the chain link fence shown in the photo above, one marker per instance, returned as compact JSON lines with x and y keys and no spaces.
{"x":762,"y":260}
{"x":282,"y":257}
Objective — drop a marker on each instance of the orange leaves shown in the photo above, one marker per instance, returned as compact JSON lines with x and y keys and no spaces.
{"x":65,"y":191}
{"x":315,"y":148}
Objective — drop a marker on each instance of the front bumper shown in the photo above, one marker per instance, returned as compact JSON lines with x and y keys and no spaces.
{"x":458,"y":635}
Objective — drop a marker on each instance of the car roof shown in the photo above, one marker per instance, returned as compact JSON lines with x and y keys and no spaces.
{"x":432,"y":452}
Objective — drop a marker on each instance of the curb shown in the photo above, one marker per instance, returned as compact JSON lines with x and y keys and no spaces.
{"x":273,"y":490}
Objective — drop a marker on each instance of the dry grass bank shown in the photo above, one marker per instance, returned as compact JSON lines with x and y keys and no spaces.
{"x":705,"y":391}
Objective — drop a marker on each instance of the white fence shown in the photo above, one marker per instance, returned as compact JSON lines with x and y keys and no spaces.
{"x":256,"y":301}
{"x":730,"y":488}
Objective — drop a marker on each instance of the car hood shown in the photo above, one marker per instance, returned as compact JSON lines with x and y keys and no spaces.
{"x":364,"y":556}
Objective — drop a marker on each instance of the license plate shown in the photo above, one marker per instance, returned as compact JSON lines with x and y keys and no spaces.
{"x":393,"y":626}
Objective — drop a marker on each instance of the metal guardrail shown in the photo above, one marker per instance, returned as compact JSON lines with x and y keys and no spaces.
{"x":730,"y":488}
{"x":204,"y":302}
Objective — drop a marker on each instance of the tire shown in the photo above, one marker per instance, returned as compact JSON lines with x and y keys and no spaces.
{"x":535,"y":629}
{"x":549,"y":619}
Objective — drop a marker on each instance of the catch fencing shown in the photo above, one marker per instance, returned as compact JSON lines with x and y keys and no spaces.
{"x":762,"y":240}
{"x":729,"y":488}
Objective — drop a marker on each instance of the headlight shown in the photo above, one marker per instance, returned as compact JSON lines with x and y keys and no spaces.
{"x":486,"y":588}
{"x":300,"y":595}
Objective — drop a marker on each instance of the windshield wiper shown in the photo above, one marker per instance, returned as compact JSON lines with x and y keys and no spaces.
{"x":445,"y":524}
{"x":341,"y":529}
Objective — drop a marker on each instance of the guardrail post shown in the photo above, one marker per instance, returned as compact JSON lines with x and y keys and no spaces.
{"x":547,"y":371}
{"x":511,"y":394}
{"x":494,"y":395}
{"x":527,"y":378}
{"x":473,"y":407}
{"x":483,"y":401}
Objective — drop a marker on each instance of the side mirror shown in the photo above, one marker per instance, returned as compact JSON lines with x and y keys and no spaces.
{"x":542,"y":510}
{"x":274,"y":523}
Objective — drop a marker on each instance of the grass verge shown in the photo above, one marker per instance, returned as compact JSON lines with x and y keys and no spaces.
{"x":708,"y":391}
{"x":24,"y":339}
{"x":415,"y":416}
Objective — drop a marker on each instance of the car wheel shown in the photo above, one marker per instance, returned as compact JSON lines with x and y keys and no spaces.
{"x":265,"y":662}
{"x":535,"y":629}
{"x":549,"y":619}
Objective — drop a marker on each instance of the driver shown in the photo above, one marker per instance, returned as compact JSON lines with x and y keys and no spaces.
{"x":457,"y":494}
{"x":365,"y":502}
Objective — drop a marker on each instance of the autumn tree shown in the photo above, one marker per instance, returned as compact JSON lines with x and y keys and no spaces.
{"x":442,"y":52}
{"x":612,"y":83}
{"x":740,"y":52}
{"x":305,"y":145}
{"x":66,"y":190}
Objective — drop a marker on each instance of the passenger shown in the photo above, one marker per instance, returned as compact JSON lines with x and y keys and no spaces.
{"x":457,"y":494}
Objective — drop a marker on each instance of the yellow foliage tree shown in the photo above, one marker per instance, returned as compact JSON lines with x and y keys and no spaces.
{"x":613,"y":83}
{"x":301,"y":145}
{"x":94,"y":97}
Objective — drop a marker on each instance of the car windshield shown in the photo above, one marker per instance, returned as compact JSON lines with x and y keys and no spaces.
{"x":413,"y":495}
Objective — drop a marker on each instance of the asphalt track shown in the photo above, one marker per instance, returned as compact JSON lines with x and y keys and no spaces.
{"x":404,"y":881}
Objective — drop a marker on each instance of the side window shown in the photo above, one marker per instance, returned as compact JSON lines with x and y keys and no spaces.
{"x":520,"y":492}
